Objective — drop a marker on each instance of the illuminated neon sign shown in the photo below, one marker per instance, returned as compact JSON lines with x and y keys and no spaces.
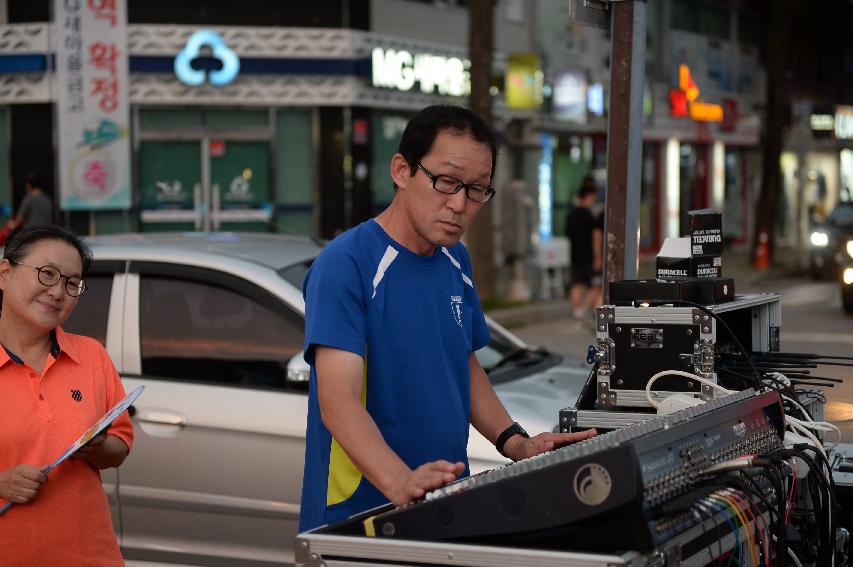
{"x":400,"y":69}
{"x":684,"y":101}
{"x":192,"y":50}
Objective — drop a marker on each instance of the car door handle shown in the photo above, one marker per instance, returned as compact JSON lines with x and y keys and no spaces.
{"x":163,"y":417}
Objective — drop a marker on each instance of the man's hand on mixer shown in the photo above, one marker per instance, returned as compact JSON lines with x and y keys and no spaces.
{"x":418,"y":482}
{"x":518,"y":447}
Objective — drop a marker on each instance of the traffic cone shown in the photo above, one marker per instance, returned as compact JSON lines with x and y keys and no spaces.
{"x":762,"y":252}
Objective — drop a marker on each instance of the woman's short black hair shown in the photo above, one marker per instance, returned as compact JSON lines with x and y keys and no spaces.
{"x":425,"y":126}
{"x":21,"y":241}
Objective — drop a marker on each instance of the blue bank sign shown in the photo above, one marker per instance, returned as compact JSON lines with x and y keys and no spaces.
{"x":206,"y":67}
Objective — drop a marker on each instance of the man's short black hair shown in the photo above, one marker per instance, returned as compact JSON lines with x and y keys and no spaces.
{"x":587,"y":187}
{"x":424,"y":127}
{"x":34,"y":180}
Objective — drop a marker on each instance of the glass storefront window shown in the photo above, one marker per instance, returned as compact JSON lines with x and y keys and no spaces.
{"x":386,"y":129}
{"x":572,"y":162}
{"x":686,"y":174}
{"x":649,"y":197}
{"x":846,"y":185}
{"x":701,"y":18}
{"x":733,"y":213}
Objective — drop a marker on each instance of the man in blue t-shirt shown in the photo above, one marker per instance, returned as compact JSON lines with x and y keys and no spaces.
{"x":392,"y":321}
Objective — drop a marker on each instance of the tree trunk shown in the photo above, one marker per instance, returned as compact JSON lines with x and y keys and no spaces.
{"x":777,"y":42}
{"x":480,"y":41}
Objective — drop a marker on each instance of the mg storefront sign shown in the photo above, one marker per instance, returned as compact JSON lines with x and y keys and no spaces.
{"x":401,"y":70}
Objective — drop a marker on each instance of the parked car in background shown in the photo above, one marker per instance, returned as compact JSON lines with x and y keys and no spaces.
{"x":212,"y":324}
{"x":830,"y":241}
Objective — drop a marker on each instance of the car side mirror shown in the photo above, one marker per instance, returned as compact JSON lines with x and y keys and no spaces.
{"x":298,"y":371}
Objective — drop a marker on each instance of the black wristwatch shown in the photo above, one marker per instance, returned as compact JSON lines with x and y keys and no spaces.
{"x":514,"y":429}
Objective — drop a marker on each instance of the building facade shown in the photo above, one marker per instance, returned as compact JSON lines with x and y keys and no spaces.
{"x":696,"y":153}
{"x":299,"y":141}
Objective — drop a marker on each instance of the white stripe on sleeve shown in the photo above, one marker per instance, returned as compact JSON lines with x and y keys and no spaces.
{"x":389,"y":256}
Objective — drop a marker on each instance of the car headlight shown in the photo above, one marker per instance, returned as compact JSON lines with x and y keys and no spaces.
{"x":848,"y":276}
{"x":819,"y":239}
{"x":850,"y":248}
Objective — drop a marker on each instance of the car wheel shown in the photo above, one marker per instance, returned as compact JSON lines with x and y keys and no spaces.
{"x":816,"y":271}
{"x":847,"y":298}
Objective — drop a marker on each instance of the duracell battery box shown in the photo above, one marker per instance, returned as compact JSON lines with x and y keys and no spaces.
{"x":675,"y":261}
{"x":706,"y":267}
{"x":706,"y":232}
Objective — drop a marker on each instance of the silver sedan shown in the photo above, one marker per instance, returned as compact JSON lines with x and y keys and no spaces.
{"x":213,"y":325}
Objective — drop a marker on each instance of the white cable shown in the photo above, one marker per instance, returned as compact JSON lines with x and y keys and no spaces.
{"x":795,"y":423}
{"x":794,"y":557}
{"x":779,"y":377}
{"x":820,"y":426}
{"x":654,"y":378}
{"x":802,"y":427}
{"x":811,"y":423}
{"x":734,"y":464}
{"x":790,"y":552}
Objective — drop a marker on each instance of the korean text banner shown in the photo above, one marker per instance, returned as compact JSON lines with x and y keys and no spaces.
{"x":92,"y":104}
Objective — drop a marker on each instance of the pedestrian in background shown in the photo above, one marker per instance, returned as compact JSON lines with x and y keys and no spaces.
{"x":53,"y":387}
{"x":586,"y":233}
{"x":36,"y":207}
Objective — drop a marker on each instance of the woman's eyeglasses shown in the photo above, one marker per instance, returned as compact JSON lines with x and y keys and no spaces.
{"x":48,"y":276}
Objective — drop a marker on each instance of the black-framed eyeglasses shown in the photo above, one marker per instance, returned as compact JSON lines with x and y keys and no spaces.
{"x":450,"y":186}
{"x":48,"y":276}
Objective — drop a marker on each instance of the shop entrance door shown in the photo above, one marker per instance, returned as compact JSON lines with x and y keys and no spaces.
{"x":206,"y":184}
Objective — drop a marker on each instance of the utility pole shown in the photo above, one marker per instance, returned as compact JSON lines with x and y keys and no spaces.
{"x":624,"y":141}
{"x":480,"y":48}
{"x":777,"y":43}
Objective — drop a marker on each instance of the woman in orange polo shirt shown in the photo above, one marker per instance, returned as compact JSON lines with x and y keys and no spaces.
{"x":53,"y":387}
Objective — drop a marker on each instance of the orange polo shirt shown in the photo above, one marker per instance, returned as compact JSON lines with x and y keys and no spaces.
{"x":68,"y":522}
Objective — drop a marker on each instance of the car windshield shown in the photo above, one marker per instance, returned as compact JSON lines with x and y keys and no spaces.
{"x":500,"y":346}
{"x":508,"y":358}
{"x":295,"y":274}
{"x":504,"y":350}
{"x":842,"y":216}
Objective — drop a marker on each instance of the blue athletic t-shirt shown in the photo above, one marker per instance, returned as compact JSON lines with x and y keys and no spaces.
{"x":415,"y":320}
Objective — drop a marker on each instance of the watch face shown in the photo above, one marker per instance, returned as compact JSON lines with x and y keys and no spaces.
{"x":515,"y":428}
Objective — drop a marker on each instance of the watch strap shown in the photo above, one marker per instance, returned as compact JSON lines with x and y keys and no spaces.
{"x":514,"y":429}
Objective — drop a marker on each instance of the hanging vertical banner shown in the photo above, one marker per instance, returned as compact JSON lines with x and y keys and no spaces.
{"x":92,"y":116}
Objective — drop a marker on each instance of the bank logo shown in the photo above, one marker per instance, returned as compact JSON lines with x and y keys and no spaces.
{"x":592,"y":484}
{"x":456,"y":308}
{"x":194,"y":67}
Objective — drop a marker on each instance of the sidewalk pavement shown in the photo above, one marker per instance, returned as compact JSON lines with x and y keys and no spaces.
{"x":551,"y":324}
